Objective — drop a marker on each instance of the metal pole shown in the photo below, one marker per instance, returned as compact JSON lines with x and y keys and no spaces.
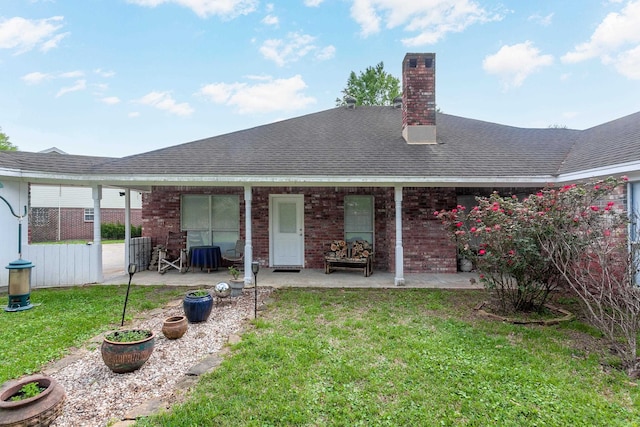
{"x":132,"y":270}
{"x":255,"y":267}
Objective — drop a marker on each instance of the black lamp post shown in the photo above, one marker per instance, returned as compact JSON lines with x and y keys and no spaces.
{"x":132,"y":270}
{"x":255,"y":267}
{"x":19,"y":271}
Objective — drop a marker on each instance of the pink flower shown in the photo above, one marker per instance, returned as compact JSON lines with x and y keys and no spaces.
{"x":473,"y":229}
{"x":458,"y":224}
{"x":482,"y":252}
{"x":594,"y":208}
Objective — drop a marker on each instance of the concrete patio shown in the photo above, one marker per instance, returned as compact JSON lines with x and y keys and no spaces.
{"x":315,"y":278}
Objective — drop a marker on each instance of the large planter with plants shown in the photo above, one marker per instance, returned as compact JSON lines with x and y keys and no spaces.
{"x":127,"y":350}
{"x":197,"y":306}
{"x":35,"y":400}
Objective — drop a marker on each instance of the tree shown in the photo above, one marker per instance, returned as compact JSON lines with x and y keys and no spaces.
{"x":374,"y":86}
{"x":5,"y":144}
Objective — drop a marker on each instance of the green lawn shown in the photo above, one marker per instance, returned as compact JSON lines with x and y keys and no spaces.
{"x":405,"y":358}
{"x":362,"y":357}
{"x":66,"y":318}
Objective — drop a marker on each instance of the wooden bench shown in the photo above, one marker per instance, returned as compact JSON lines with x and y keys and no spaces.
{"x":342,"y":256}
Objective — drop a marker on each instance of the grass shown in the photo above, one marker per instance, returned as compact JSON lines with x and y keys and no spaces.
{"x":67,"y":318}
{"x":405,"y":358}
{"x":356,"y":358}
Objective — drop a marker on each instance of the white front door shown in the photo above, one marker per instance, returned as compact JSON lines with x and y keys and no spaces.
{"x":286,"y":229}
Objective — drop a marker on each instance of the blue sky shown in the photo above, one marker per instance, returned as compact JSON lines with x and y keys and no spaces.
{"x":120,"y":77}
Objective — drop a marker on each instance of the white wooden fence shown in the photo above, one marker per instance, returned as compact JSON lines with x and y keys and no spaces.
{"x":61,"y":265}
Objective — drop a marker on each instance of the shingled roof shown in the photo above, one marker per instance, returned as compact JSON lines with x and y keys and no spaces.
{"x":363,"y":144}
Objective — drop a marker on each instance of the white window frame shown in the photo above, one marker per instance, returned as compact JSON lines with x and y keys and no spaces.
{"x":89,"y":215}
{"x":352,"y":234}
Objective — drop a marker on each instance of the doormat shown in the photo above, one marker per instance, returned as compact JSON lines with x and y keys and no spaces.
{"x":286,"y":270}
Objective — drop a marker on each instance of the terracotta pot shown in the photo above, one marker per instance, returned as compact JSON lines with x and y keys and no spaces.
{"x":174,"y":327}
{"x":197,"y":308}
{"x":123,"y":357}
{"x":40,"y":410}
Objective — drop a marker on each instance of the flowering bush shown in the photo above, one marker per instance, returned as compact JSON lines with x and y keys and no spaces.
{"x":499,"y":237}
{"x":507,"y":238}
{"x":574,"y":235}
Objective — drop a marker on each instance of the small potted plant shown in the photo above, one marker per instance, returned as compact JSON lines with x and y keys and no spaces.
{"x":32,"y":400}
{"x":236,"y":283}
{"x":127,"y":350}
{"x":197,"y":305}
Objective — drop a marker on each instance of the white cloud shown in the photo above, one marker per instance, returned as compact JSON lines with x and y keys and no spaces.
{"x":628,"y":63}
{"x":80,"y":85}
{"x":134,"y":114}
{"x":430,"y":19}
{"x":36,"y":78}
{"x":164,"y":101}
{"x":545,"y":21}
{"x":104,"y":73}
{"x":326,"y":53}
{"x":205,"y":8}
{"x":26,"y":34}
{"x":616,"y":37}
{"x":271,"y":95}
{"x":71,"y":74}
{"x":313,"y":3}
{"x":270,"y":20}
{"x":513,"y":64}
{"x":110,"y":100}
{"x":294,"y":47}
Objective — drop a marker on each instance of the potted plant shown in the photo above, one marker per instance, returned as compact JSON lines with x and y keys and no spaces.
{"x":197,"y":305}
{"x":35,"y":400}
{"x":236,"y":283}
{"x":127,"y":350}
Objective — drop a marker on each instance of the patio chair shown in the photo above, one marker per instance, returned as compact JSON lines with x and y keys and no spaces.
{"x":173,"y":254}
{"x":235,"y":256}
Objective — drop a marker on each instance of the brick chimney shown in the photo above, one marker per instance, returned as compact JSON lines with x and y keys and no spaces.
{"x":419,"y":98}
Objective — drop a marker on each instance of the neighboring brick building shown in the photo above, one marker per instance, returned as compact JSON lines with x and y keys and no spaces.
{"x":59,"y":213}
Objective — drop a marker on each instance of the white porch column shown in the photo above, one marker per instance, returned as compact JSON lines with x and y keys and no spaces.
{"x":127,"y":228}
{"x":399,"y":279}
{"x":248,"y":245}
{"x":97,"y":234}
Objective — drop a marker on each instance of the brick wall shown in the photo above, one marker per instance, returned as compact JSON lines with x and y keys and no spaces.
{"x":426,"y":247}
{"x":44,"y":223}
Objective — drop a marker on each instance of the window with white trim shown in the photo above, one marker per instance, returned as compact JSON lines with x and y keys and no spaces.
{"x":211,"y":220}
{"x":358,"y":218}
{"x":88,"y":214}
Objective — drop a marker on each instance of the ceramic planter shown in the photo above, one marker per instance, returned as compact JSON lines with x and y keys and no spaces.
{"x":197,"y":308}
{"x":39,"y":410}
{"x":123,"y":357}
{"x":174,"y":327}
{"x":237,"y":285}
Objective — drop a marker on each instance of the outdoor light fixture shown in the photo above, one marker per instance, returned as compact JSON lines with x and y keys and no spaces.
{"x":255,"y":267}
{"x":132,"y":270}
{"x":19,"y":271}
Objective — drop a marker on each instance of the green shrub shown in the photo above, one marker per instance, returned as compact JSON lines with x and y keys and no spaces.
{"x":116,"y":231}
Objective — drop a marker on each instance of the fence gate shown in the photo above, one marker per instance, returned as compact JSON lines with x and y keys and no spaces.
{"x":140,"y":252}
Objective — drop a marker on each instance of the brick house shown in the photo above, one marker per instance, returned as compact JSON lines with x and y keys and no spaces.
{"x":368,"y":172}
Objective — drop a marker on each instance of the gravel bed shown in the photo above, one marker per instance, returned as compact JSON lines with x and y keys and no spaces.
{"x":96,"y":396}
